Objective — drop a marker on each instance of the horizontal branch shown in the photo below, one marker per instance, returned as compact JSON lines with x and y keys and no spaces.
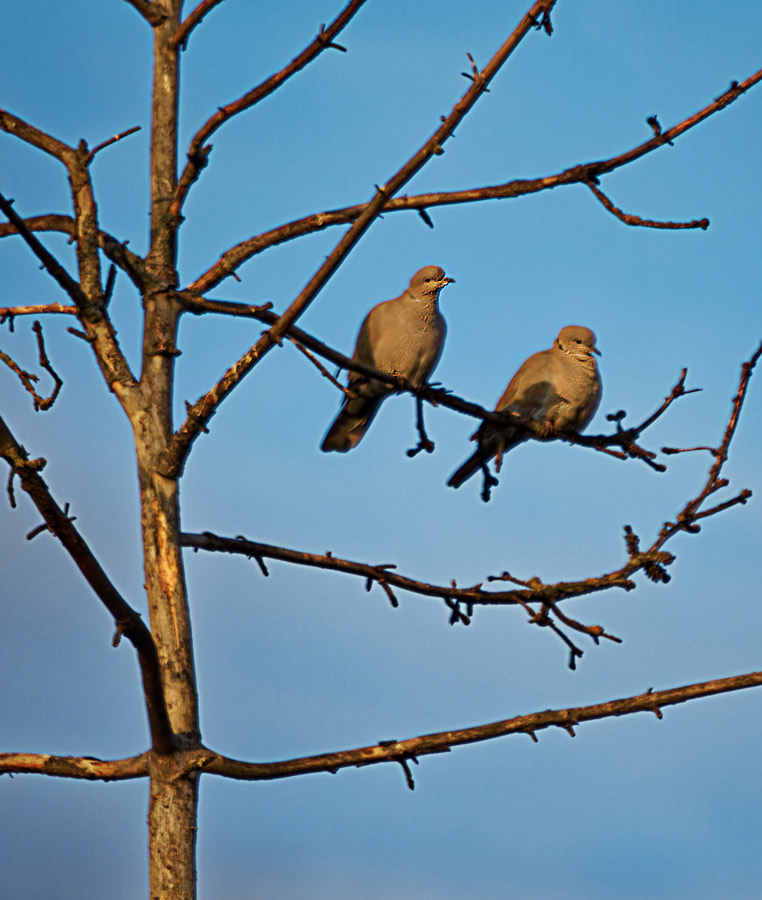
{"x":578,"y":174}
{"x":198,"y":151}
{"x":383,"y":574}
{"x":444,"y":741}
{"x":116,"y":251}
{"x":84,"y":767}
{"x":128,"y":622}
{"x":9,"y":312}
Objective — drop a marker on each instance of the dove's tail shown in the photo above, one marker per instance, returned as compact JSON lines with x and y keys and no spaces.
{"x":472,"y":465}
{"x":350,"y":425}
{"x":488,"y":447}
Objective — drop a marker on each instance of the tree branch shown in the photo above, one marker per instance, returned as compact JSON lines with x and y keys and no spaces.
{"x":198,"y":151}
{"x":444,"y":741}
{"x":180,"y":37}
{"x":629,"y":219}
{"x":28,"y":379}
{"x":8,"y":313}
{"x":87,"y":767}
{"x":128,"y":622}
{"x":579,"y":174}
{"x":206,"y":406}
{"x":150,"y":11}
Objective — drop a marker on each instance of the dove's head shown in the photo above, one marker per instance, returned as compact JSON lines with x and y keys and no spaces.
{"x":577,"y":340}
{"x":428,"y":281}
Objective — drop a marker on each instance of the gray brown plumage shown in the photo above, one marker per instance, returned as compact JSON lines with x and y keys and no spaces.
{"x":557,"y":388}
{"x":403,"y":337}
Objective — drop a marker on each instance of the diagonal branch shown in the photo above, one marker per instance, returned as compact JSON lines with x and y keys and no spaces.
{"x":180,"y":37}
{"x":198,"y":151}
{"x":206,"y":406}
{"x":49,"y":262}
{"x":87,"y":767}
{"x":444,"y":741}
{"x":128,"y":622}
{"x":579,"y":174}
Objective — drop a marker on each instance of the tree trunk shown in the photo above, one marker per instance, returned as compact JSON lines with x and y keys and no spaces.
{"x":174,"y":796}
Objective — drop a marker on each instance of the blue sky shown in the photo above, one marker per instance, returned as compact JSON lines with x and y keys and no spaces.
{"x":305,"y":662}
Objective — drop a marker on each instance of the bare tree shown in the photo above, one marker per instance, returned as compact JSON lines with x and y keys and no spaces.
{"x":176,"y":757}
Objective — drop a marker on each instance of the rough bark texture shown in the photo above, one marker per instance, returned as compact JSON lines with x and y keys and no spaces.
{"x":174,"y":797}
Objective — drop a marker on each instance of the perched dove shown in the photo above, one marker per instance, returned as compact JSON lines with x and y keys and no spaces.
{"x":559,"y":388}
{"x":403,"y":337}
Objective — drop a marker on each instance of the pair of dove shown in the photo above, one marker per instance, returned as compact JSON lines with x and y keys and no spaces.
{"x":558,"y":388}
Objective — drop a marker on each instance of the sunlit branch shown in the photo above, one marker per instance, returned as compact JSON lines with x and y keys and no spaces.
{"x":83,"y":767}
{"x":128,"y":621}
{"x":198,"y":151}
{"x":444,"y":741}
{"x":7,"y":313}
{"x":579,"y":174}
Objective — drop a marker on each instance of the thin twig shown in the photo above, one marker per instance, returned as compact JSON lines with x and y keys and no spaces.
{"x":629,"y":219}
{"x":109,"y":142}
{"x":319,"y":366}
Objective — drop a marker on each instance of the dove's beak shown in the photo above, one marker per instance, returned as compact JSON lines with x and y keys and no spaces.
{"x":448,"y":281}
{"x":596,"y":351}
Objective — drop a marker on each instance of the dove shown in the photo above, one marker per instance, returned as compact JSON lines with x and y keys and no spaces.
{"x":403,"y":337}
{"x":557,"y":388}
